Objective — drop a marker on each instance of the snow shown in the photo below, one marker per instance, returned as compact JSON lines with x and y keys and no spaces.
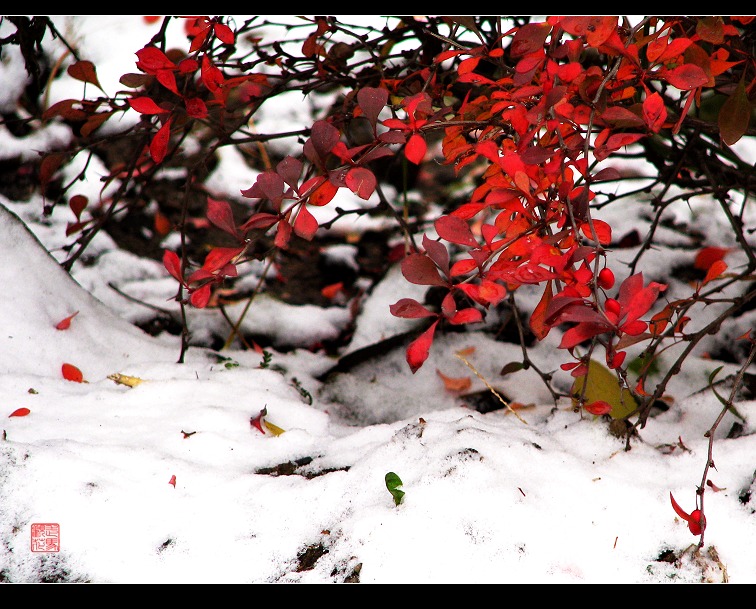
{"x":541,"y":495}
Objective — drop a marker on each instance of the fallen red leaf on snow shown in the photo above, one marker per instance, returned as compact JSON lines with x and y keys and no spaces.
{"x":172,"y":481}
{"x":19,"y":412}
{"x":72,"y":373}
{"x":64,"y":324}
{"x":455,"y":384}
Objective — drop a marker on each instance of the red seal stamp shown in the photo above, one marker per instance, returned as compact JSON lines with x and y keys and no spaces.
{"x":45,"y":537}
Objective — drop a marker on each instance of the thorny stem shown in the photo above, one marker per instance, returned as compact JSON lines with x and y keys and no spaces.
{"x":710,"y":433}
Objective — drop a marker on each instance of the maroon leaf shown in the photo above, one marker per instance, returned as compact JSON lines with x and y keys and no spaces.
{"x":220,"y":214}
{"x":361,"y":182}
{"x":438,"y":253}
{"x":410,"y":309}
{"x":290,"y":169}
{"x":735,"y":115}
{"x":77,"y":204}
{"x":85,"y":71}
{"x":261,"y":220}
{"x":420,"y":270}
{"x":269,"y":185}
{"x":685,"y":77}
{"x":324,"y":137}
{"x":372,"y":100}
{"x":195,"y":107}
{"x":455,"y":230}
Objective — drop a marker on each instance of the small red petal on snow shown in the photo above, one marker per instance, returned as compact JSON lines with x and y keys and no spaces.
{"x":257,"y":422}
{"x":172,"y":481}
{"x":19,"y":412}
{"x":72,"y":373}
{"x":64,"y":324}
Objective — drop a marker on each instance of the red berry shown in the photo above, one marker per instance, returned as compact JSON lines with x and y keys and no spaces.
{"x":612,"y":306}
{"x":697,"y":522}
{"x":606,"y":279}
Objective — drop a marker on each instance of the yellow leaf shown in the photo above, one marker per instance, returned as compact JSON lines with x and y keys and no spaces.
{"x":274,"y":429}
{"x":604,"y":385}
{"x":123,"y":379}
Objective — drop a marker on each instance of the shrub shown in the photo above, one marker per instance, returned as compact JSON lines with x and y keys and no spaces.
{"x":514,"y":118}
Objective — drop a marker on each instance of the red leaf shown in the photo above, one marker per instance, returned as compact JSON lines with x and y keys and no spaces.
{"x":220,"y":214}
{"x":361,"y":182}
{"x":415,"y":149}
{"x":172,"y":481}
{"x":218,"y":257}
{"x":597,"y":30}
{"x":19,"y":412}
{"x":330,"y":291}
{"x":159,"y":143}
{"x":64,"y":324}
{"x":455,"y":230}
{"x":603,"y":232}
{"x":257,"y":422}
{"x":537,"y":320}
{"x":84,"y":71}
{"x":583,"y":331}
{"x":528,"y":39}
{"x":323,"y":194}
{"x":195,"y":107}
{"x":420,"y":270}
{"x":152,"y":59}
{"x":685,"y":77}
{"x":172,"y":263}
{"x":305,"y":225}
{"x":696,"y":520}
{"x":715,"y":270}
{"x":466,"y":316}
{"x":708,"y":256}
{"x":418,"y":350}
{"x":410,"y":309}
{"x":72,"y":373}
{"x":598,"y":407}
{"x":168,"y":79}
{"x":283,"y":235}
{"x":201,"y":296}
{"x":654,"y":112}
{"x":453,"y":384}
{"x":145,"y":105}
{"x":162,"y":224}
{"x":224,"y":33}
